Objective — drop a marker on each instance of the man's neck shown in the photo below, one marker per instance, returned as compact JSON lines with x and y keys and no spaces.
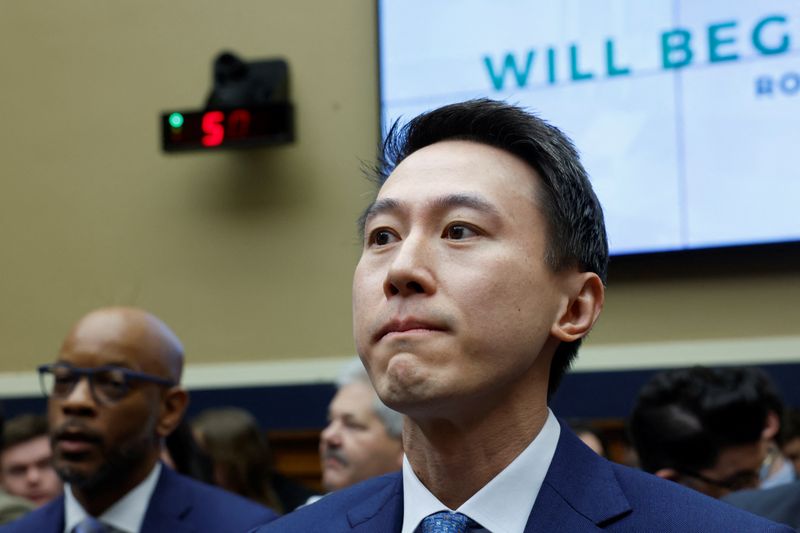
{"x":98,"y":498}
{"x":455,"y":459}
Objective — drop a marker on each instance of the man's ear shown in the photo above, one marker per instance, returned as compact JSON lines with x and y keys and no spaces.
{"x":771,"y":426}
{"x":173,"y":406}
{"x":584,"y":296}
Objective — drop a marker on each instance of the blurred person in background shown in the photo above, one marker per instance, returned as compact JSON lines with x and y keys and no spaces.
{"x":776,"y":469}
{"x":709,"y":429}
{"x":26,"y":469}
{"x":114,"y":395}
{"x":590,"y":438}
{"x":182,"y":453}
{"x":780,"y":503}
{"x":790,"y":438}
{"x":11,"y":507}
{"x":363,"y":436}
{"x":242,"y":461}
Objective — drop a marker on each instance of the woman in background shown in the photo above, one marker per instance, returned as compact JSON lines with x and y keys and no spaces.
{"x":242,"y":460}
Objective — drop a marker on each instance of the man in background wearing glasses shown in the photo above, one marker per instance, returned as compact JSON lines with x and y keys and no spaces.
{"x":707,"y":428}
{"x":114,"y":394}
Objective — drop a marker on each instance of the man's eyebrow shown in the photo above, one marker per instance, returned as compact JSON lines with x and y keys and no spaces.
{"x":379,"y":206}
{"x":465,"y":200}
{"x":441,"y":203}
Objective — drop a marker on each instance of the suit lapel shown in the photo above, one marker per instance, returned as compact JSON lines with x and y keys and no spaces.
{"x":580,"y":489}
{"x":168,"y":506}
{"x":53,"y":518}
{"x":383,"y":511}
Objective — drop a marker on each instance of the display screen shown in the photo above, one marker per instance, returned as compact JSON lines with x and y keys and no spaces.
{"x":231,"y":128}
{"x":686,"y":113}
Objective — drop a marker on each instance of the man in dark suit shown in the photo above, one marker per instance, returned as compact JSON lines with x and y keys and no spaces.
{"x":710,"y":429}
{"x":483,"y":265}
{"x":114,"y":395}
{"x":781,"y":503}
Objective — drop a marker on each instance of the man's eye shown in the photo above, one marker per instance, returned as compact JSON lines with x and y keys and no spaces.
{"x":63,"y":379}
{"x":110,"y":380}
{"x":458,"y":232}
{"x":382,"y":237}
{"x":63,"y":376}
{"x":16,"y":471}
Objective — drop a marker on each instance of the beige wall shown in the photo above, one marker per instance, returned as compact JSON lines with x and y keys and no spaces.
{"x":248,"y":255}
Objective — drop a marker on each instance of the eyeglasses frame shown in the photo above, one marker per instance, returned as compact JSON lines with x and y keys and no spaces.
{"x":89,"y":373}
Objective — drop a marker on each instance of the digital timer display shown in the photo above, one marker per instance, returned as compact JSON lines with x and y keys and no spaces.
{"x":245,"y":127}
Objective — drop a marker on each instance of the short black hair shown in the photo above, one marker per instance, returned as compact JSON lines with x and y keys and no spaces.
{"x":684,"y":418}
{"x":576,"y":233}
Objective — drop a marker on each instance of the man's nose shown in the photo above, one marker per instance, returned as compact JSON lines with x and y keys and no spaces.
{"x":331,"y":435}
{"x":80,"y":400}
{"x":33,"y":475}
{"x":412,"y":268}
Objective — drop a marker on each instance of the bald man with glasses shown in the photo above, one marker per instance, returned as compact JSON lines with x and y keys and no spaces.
{"x":113,"y":394}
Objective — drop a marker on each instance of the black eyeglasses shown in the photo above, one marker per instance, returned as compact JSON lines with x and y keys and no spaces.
{"x":745,"y":479}
{"x":108,"y":384}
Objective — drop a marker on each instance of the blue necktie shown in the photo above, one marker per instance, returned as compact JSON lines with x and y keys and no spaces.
{"x":446,"y":522}
{"x":90,"y":525}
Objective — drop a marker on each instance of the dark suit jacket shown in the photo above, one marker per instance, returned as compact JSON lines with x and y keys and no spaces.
{"x":581,"y":492}
{"x":179,"y":505}
{"x":781,"y":503}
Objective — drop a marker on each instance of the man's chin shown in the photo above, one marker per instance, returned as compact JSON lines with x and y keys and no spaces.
{"x":38,"y":501}
{"x":77,"y":475}
{"x":332,"y":483}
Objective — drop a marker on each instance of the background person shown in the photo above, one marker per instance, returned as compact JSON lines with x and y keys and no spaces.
{"x":590,"y":438}
{"x":182,"y":453}
{"x":113,"y":396}
{"x":26,"y":468}
{"x":11,"y":507}
{"x":242,"y":460}
{"x":790,"y":438}
{"x":710,"y":429}
{"x":780,"y":503}
{"x":363,"y":438}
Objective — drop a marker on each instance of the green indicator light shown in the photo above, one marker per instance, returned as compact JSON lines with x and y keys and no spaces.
{"x":176,"y":120}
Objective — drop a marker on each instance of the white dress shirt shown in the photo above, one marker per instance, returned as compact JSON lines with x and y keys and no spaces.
{"x":126,"y":515}
{"x":502,"y":505}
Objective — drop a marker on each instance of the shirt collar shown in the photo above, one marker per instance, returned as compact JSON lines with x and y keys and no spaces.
{"x":126,"y":515}
{"x":504,"y":504}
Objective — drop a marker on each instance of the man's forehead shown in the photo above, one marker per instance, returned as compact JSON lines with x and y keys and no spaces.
{"x":113,"y":338}
{"x":463,"y":168}
{"x":28,"y":450}
{"x":353,"y":397}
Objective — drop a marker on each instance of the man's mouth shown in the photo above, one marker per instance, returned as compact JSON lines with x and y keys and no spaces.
{"x":408,"y":325}
{"x":73,"y":442}
{"x":334,"y":459}
{"x":71,"y":447}
{"x":38,"y":498}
